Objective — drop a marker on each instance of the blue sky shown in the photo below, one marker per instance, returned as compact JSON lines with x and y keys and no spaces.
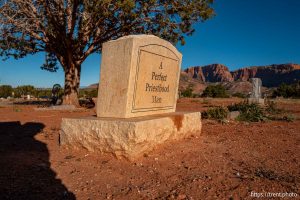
{"x":243,"y":33}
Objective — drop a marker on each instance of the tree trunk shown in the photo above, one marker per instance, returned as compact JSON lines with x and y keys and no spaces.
{"x":72,"y":81}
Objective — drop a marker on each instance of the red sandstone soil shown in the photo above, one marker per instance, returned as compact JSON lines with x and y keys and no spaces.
{"x":226,"y":162}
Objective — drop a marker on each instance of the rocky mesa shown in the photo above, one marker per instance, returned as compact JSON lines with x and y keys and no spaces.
{"x":271,"y":75}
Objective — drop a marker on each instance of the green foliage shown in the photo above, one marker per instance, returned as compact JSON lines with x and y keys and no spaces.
{"x":5,"y":91}
{"x":88,"y":93}
{"x":93,"y":93}
{"x":288,"y":91}
{"x":24,"y":90}
{"x":254,"y":113}
{"x":218,"y":113}
{"x":215,"y":91}
{"x":85,"y":25}
{"x":188,"y":92}
{"x":239,"y":95}
{"x":238,"y":106}
{"x":248,"y":112}
{"x":43,"y":93}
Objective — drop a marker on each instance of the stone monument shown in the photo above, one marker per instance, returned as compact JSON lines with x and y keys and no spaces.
{"x":136,"y":102}
{"x":256,"y":91}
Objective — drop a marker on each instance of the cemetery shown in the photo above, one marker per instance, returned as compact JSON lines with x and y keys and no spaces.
{"x":142,"y":141}
{"x":129,"y":112}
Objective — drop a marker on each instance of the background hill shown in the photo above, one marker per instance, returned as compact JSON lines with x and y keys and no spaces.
{"x":238,"y":81}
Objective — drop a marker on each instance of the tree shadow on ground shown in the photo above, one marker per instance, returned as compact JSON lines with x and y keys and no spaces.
{"x":39,"y":103}
{"x":25,"y":171}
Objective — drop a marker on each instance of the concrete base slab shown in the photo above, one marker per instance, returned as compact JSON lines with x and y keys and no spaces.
{"x":259,"y":101}
{"x":129,"y":138}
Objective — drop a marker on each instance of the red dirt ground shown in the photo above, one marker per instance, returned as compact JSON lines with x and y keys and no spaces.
{"x":226,"y":162}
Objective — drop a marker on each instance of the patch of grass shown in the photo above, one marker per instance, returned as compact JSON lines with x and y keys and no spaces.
{"x":219,"y":113}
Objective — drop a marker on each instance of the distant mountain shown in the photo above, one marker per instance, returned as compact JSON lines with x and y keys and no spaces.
{"x":93,"y":86}
{"x":271,"y":75}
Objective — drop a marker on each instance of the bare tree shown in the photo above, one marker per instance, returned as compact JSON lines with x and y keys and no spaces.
{"x":70,"y":30}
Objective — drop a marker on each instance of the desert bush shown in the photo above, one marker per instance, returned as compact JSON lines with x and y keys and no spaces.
{"x":288,"y":91}
{"x":255,"y":113}
{"x":239,"y":95}
{"x":88,"y":93}
{"x":248,"y":112}
{"x":238,"y":106}
{"x":218,"y":113}
{"x":215,"y":91}
{"x":43,"y":93}
{"x":5,"y":91}
{"x":188,"y":92}
{"x":24,"y":90}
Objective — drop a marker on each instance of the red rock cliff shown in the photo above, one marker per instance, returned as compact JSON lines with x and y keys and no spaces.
{"x":210,"y":73}
{"x":272,"y":75}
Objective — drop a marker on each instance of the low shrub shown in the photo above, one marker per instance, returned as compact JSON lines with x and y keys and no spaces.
{"x":238,"y":106}
{"x":248,"y":112}
{"x":188,"y":92}
{"x":215,"y":91}
{"x":288,"y":91}
{"x":218,"y":113}
{"x":239,"y":95}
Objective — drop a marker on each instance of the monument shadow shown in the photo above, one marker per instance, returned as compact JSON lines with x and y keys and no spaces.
{"x":25,"y":171}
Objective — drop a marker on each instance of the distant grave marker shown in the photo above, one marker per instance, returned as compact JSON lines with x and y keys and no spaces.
{"x":256,"y":91}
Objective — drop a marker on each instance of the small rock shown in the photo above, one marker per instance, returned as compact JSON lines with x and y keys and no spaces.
{"x":181,"y":196}
{"x":233,"y":115}
{"x":104,"y":162}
